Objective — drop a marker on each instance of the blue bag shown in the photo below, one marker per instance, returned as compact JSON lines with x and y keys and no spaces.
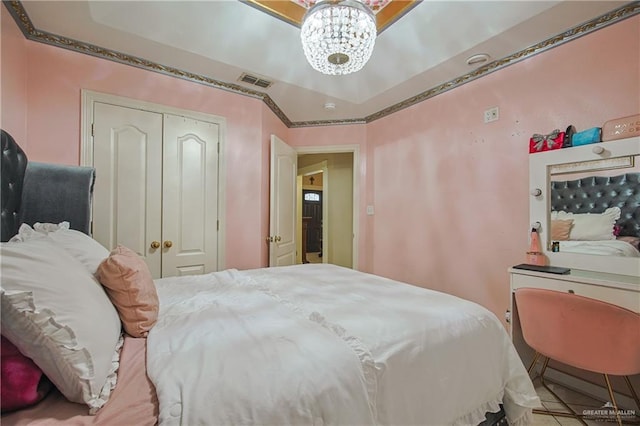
{"x":588,"y":136}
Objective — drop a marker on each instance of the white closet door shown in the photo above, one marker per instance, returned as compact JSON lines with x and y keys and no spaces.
{"x":190,"y":199}
{"x":127,"y":149}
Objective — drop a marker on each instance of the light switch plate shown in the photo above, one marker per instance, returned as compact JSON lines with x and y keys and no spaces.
{"x":492,"y":114}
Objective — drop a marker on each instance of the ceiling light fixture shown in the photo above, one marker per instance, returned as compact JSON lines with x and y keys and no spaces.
{"x":338,"y":36}
{"x":480,"y":58}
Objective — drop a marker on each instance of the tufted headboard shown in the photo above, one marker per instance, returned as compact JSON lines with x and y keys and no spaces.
{"x":595,"y":194}
{"x":41,"y":192}
{"x":14,"y":164}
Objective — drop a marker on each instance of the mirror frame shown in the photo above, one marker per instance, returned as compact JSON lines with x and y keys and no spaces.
{"x":539,"y":206}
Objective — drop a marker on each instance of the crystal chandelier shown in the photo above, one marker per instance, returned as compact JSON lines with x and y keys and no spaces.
{"x":338,"y":36}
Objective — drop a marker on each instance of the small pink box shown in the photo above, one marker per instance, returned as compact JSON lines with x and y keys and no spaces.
{"x":620,"y":128}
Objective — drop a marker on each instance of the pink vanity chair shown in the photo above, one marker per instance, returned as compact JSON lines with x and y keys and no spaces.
{"x":580,"y":332}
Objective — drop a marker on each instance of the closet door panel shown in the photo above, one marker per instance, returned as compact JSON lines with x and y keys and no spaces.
{"x":128,"y":189}
{"x":190,"y":198}
{"x":129,"y":159}
{"x":192,"y":188}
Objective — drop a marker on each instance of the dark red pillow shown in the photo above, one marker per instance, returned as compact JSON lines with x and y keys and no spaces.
{"x":23,"y":383}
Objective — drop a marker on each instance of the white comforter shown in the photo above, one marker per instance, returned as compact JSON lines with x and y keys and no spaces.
{"x":324,"y":345}
{"x":604,"y":247}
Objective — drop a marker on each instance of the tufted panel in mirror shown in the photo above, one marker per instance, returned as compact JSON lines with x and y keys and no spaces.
{"x":14,"y":164}
{"x":595,"y":194}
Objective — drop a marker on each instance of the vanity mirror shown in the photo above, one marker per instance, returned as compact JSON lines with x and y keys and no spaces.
{"x":587,"y":200}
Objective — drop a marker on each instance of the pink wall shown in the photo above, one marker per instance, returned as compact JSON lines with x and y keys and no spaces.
{"x":13,"y":71}
{"x":51,"y":105}
{"x":450,"y":193}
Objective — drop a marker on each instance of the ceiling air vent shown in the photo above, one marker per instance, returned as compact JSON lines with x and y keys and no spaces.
{"x":256,"y":81}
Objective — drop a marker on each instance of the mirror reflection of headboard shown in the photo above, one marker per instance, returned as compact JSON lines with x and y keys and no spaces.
{"x":553,"y":165}
{"x":595,"y":194}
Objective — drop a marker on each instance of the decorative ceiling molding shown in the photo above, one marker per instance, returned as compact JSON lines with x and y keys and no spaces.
{"x":292,"y":11}
{"x":31,"y":33}
{"x":612,"y":17}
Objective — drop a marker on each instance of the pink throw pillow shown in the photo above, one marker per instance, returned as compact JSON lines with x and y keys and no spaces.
{"x":634,"y":241}
{"x":561,"y":229}
{"x":23,"y":383}
{"x":130,"y":287}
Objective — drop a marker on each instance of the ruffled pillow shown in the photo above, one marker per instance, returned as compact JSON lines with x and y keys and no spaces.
{"x":591,"y":226}
{"x":81,"y":246}
{"x":56,"y":313}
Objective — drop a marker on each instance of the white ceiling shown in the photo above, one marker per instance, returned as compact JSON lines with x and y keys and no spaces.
{"x":222,"y":39}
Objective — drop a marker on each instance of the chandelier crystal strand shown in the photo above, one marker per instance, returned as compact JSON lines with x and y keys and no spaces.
{"x":338,"y":36}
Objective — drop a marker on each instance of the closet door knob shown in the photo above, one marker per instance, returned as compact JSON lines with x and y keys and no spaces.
{"x":168,"y":244}
{"x":278,"y":238}
{"x":155,"y":244}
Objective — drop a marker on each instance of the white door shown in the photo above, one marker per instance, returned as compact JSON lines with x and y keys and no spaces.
{"x":282,"y":206}
{"x":156,"y":188}
{"x":127,"y":203}
{"x":190,"y":199}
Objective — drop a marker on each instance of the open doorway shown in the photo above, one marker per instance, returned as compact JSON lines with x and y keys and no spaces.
{"x":312,"y":212}
{"x":312,"y":202}
{"x":326,"y":213}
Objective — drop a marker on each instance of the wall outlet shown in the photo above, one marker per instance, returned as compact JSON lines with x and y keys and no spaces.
{"x":370,"y":210}
{"x":492,"y":114}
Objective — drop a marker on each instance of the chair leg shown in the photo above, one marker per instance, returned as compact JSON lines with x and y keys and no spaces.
{"x":571,"y":413}
{"x":633,"y":392}
{"x":613,"y":400}
{"x":533,"y":363}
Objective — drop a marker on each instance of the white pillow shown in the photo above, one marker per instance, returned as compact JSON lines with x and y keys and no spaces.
{"x":81,"y":246}
{"x":56,"y":313}
{"x":26,"y":233}
{"x":85,"y":249}
{"x":591,"y":226}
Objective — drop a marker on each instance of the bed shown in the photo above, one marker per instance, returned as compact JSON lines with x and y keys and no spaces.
{"x":597,"y":215}
{"x":298,"y":345}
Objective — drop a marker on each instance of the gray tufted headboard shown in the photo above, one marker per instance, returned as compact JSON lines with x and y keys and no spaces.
{"x":595,"y":194}
{"x":14,"y":164}
{"x":40,"y":192}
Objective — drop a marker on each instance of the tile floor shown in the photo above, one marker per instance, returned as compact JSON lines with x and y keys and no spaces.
{"x":577,"y":401}
{"x":314,"y":258}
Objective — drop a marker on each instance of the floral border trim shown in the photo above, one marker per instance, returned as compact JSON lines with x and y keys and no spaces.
{"x":612,"y":17}
{"x":31,"y":33}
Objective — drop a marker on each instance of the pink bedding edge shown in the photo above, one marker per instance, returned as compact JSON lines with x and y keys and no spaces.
{"x":133,"y":400}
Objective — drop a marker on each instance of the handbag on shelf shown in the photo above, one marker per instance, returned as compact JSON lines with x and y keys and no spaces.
{"x":568,"y":136}
{"x":540,"y":143}
{"x":588,"y":136}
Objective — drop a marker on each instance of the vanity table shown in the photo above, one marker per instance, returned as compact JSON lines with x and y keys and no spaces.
{"x":612,"y":279}
{"x":621,"y":290}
